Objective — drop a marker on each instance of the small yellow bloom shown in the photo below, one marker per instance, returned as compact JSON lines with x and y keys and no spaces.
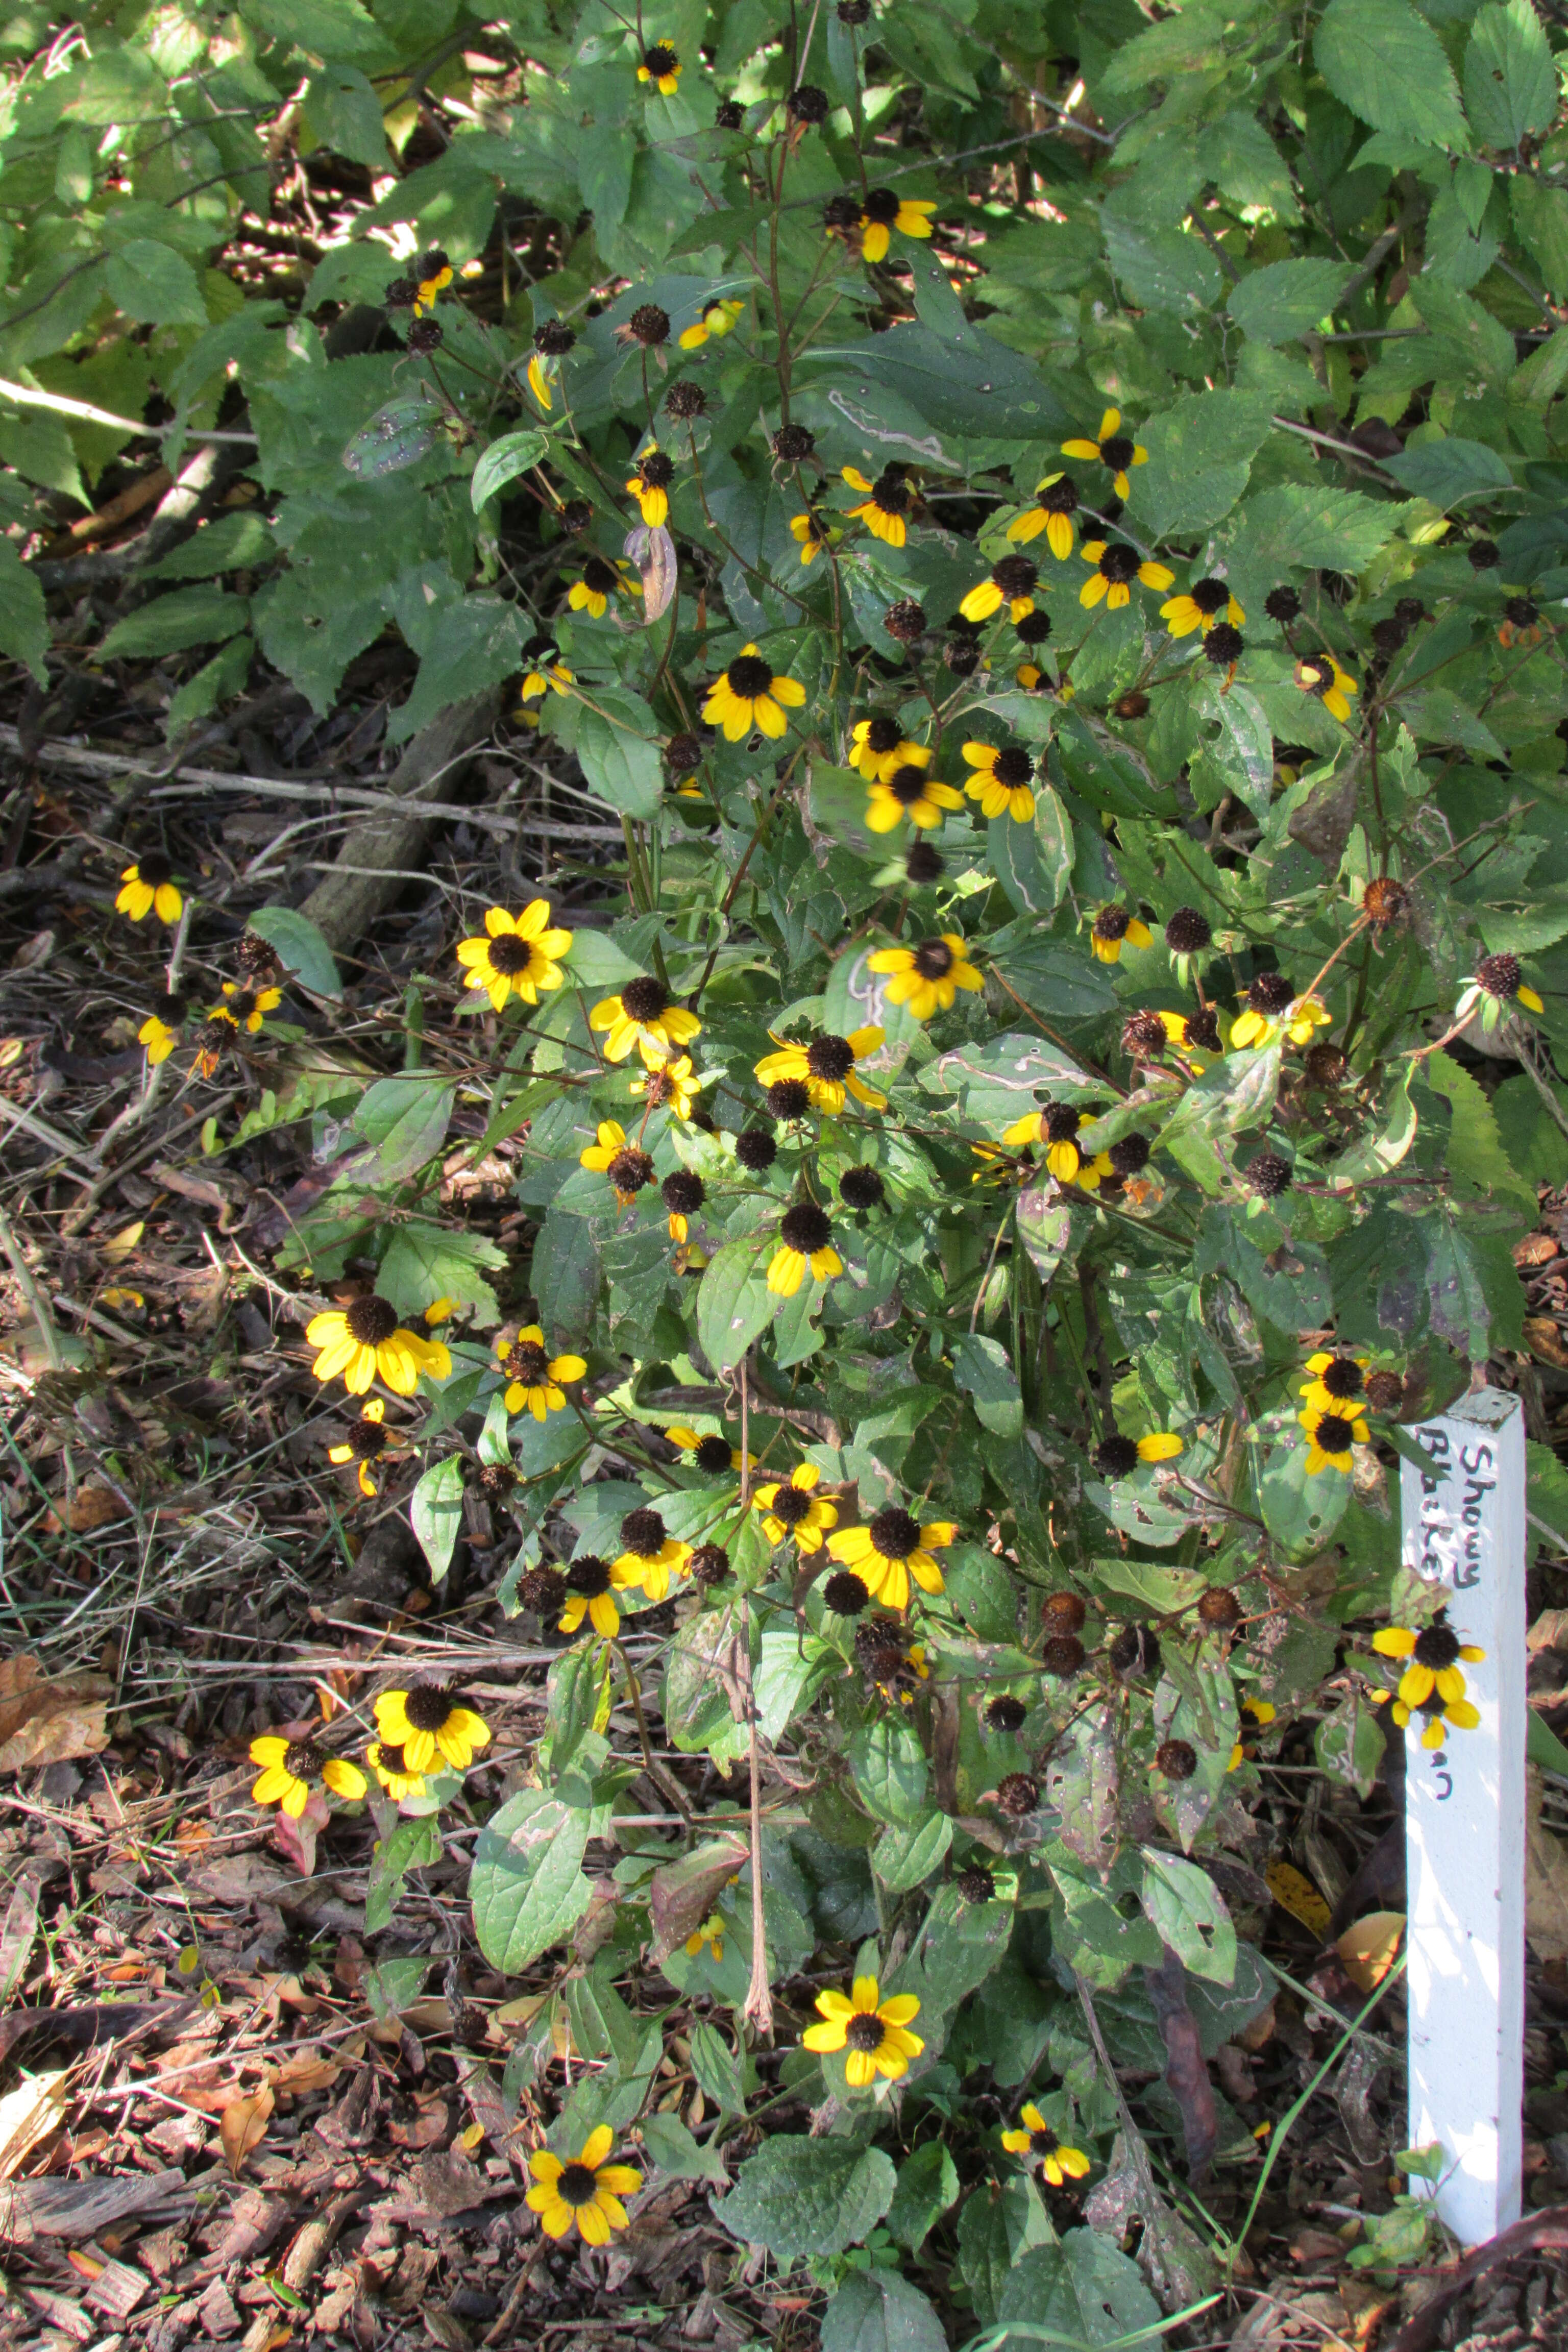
{"x":1112,"y":447}
{"x":885,"y":508}
{"x":875,"y":2034}
{"x":290,"y":1766}
{"x":1338,"y":1384}
{"x":1116,"y":566}
{"x":747,"y":695}
{"x":518,"y":955}
{"x":1199,"y":607}
{"x":908,"y":793}
{"x":790,"y":1507}
{"x":158,"y":1037}
{"x":390,"y":1766}
{"x":1011,"y":581}
{"x":534,"y":1376}
{"x":813,"y":534}
{"x":1002,"y":781}
{"x":890,"y":1549}
{"x":1037,"y":2139}
{"x":556,"y":676}
{"x":1114,"y":928}
{"x":826,"y":1068}
{"x":882,"y":210}
{"x":1453,"y":1715}
{"x":712,"y":1934}
{"x":591,"y":1586}
{"x":1255,"y":1714}
{"x":248,"y":1007}
{"x":366,"y":1445}
{"x":430,"y":287}
{"x":652,"y":1556}
{"x":927,"y":977}
{"x":1333,"y":1434}
{"x":1320,"y":675}
{"x":660,"y":67}
{"x":149,"y":888}
{"x":645,"y":1016}
{"x":1433,"y":1652}
{"x":675,"y":1086}
{"x":1056,"y":503}
{"x":431,"y":1721}
{"x":879,"y":748}
{"x":365,"y":1338}
{"x":588,"y":2192}
{"x":712,"y":1453}
{"x":600,"y":582}
{"x":718,"y":319}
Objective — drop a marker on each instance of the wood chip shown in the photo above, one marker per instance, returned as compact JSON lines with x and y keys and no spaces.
{"x":117,"y":2290}
{"x":81,"y":2209}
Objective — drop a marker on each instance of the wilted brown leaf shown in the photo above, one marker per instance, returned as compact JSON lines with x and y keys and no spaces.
{"x":241,"y":2126}
{"x":89,"y":1507}
{"x":46,"y":1722}
{"x":1544,"y":1341}
{"x":1369,"y":1948}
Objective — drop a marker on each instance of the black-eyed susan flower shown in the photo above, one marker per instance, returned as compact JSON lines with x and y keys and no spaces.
{"x":147,"y":887}
{"x":1320,"y":676}
{"x":534,"y":1375}
{"x":790,"y":1507}
{"x":553,"y":339}
{"x":1035,"y":2138}
{"x":890,"y":1549}
{"x":1057,"y":1127}
{"x":1113,"y":448}
{"x":1199,"y":607}
{"x":805,"y":1246}
{"x":1433,"y":1652}
{"x":1002,"y":781}
{"x":893,"y":1668}
{"x":711,"y":1455}
{"x":709,"y":1934}
{"x":1497,"y":982}
{"x":390,"y":1765}
{"x":160,"y":1033}
{"x":660,"y":67}
{"x":554,"y":675}
{"x":646,"y":1015}
{"x":588,"y":2192}
{"x":649,"y":485}
{"x":1011,"y":581}
{"x":430,"y":1721}
{"x":516,"y":955}
{"x":1520,"y":623}
{"x":882,"y":210}
{"x":907,"y":793}
{"x":748,"y":694}
{"x":365,"y":1340}
{"x":365,"y":1444}
{"x":927,"y":977}
{"x":718,"y":319}
{"x":629,"y":1168}
{"x":247,"y":1007}
{"x":813,"y":531}
{"x":599,"y":584}
{"x":1332,"y":1434}
{"x":1117,"y":1456}
{"x":652,"y":1555}
{"x":1116,"y":566}
{"x":289,"y":1767}
{"x":673,"y":1087}
{"x":873,"y":2033}
{"x":880,"y":746}
{"x":682,"y":1194}
{"x":885,"y":508}
{"x":217,"y":1034}
{"x":826,"y":1068}
{"x":1256,"y":1714}
{"x":591,"y":1588}
{"x":1056,"y":503}
{"x":1338,"y":1382}
{"x":433,"y":275}
{"x":1440,"y":1714}
{"x":1272,"y":1009}
{"x":1114,"y":928}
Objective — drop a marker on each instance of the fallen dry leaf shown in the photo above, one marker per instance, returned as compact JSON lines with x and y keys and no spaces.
{"x":1295,"y":1892}
{"x":27,"y":2115}
{"x":46,"y":1722}
{"x":89,"y":1507}
{"x":121,"y":1244}
{"x":1545,"y":1879}
{"x":1548,"y":1631}
{"x":241,"y":2126}
{"x":1370,"y":1947}
{"x":1544,"y":1341}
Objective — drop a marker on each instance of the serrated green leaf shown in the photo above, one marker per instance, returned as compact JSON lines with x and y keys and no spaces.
{"x":1510,"y":80}
{"x":733,"y":1301}
{"x":799,"y":2195}
{"x":24,"y":621}
{"x":878,"y":2311}
{"x":1388,"y":65}
{"x":1188,"y":1912}
{"x":980,"y":1366}
{"x":1283,"y":298}
{"x":185,"y":616}
{"x":528,"y":1887}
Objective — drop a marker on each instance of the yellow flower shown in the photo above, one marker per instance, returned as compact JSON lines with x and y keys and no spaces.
{"x":675,"y":1085}
{"x":748,"y":694}
{"x":149,"y":888}
{"x":535,"y":1376}
{"x":1333,"y":1434}
{"x":662,"y":67}
{"x":390,"y":1765}
{"x":600,"y":582}
{"x":875,"y":2037}
{"x":1002,"y":785}
{"x":429,"y":288}
{"x":649,"y":485}
{"x":651,"y":1556}
{"x":587,"y":2191}
{"x":518,"y":955}
{"x":885,"y":510}
{"x":826,"y":1068}
{"x":366,"y":1445}
{"x":1114,"y":928}
{"x":1457,"y":1715}
{"x":1199,"y":607}
{"x":591,"y":1586}
{"x":1433,"y":1652}
{"x":717,"y":318}
{"x":159,"y":1039}
{"x":1272,"y":1006}
{"x":805,"y":1242}
{"x":813,"y":534}
{"x":247,"y":1007}
{"x":712,"y":1453}
{"x":626,"y":1165}
{"x":880,"y":748}
{"x":1055,"y":2160}
{"x":882,"y":210}
{"x":1057,"y":1129}
{"x":1112,"y":447}
{"x":1056,"y":503}
{"x":645,"y":1016}
{"x":908,"y":793}
{"x":710,"y":1933}
{"x":927,"y":977}
{"x":430,"y":1721}
{"x":289,"y":1767}
{"x":365,"y":1338}
{"x":1338,"y":1384}
{"x":1320,"y":675}
{"x":1011,"y":581}
{"x":557,"y":676}
{"x":1255,"y":1713}
{"x":789,"y":1507}
{"x":890,"y":1550}
{"x":1116,"y":566}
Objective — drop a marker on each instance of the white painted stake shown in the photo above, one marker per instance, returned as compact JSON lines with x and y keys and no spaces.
{"x":1464,"y":1821}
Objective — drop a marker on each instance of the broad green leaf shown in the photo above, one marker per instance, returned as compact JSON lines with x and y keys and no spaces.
{"x":427,"y":1262}
{"x":619,"y":752}
{"x":403,"y":1123}
{"x":397,"y":436}
{"x":1163,"y":270}
{"x":1386,"y":63}
{"x":566,"y":1277}
{"x":878,"y":2311}
{"x":1475,"y":1161}
{"x":435,"y":1513}
{"x":1510,"y":80}
{"x":414,"y":1844}
{"x":799,"y":2195}
{"x":1310,"y":524}
{"x":717,"y":2069}
{"x":528,"y":1887}
{"x":1200,"y":453}
{"x":152,"y":283}
{"x":24,"y":622}
{"x":1283,"y":298}
{"x":185,"y":616}
{"x":341,"y":110}
{"x":1540,"y":217}
{"x":300,"y":946}
{"x":502,"y":462}
{"x":980,"y":1366}
{"x":999,"y":2223}
{"x":1084,"y":2290}
{"x":928,"y":2188}
{"x":889,"y":1768}
{"x":1187,"y":1909}
{"x":733,"y":1301}
{"x":333,"y":29}
{"x":1447,"y":472}
{"x":676,"y":2156}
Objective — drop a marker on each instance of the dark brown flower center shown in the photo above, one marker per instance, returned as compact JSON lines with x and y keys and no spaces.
{"x":1014,"y":575}
{"x":789,"y":1098}
{"x":896,"y":1533}
{"x":933,"y":958}
{"x":302,"y":1760}
{"x":553,"y":337}
{"x":509,"y":955}
{"x":1005,"y":1712}
{"x":1043,"y":2142}
{"x":153,"y":868}
{"x":880,"y":204}
{"x":1118,"y":453}
{"x":713,"y":1454}
{"x":1116,"y":1455}
{"x":589,"y":1576}
{"x":391,"y":1754}
{"x":1062,"y":1122}
{"x":1111,"y":922}
{"x":682,"y":1192}
{"x":1343,"y":1377}
{"x":577,"y":2183}
{"x":1223,"y":645}
{"x":656,"y":470}
{"x":791,"y":1504}
{"x":1119,"y":564}
{"x":428,"y":1706}
{"x":891,"y":494}
{"x":864,"y":2033}
{"x":630,"y":1170}
{"x":907,"y":784}
{"x":749,"y":675}
{"x":1017,"y":1794}
{"x":806,"y":1228}
{"x":599,"y":576}
{"x":368,"y":1439}
{"x":1209,"y":595}
{"x":643,"y":1532}
{"x":1437,"y":1647}
{"x":527,"y":1362}
{"x":371,"y":1320}
{"x":650,"y":325}
{"x":846,"y":1593}
{"x":1060,"y":496}
{"x":830,"y":1057}
{"x":976,"y":1883}
{"x":1334,"y":1434}
{"x":883,"y":734}
{"x":1500,"y":975}
{"x":1272,"y":991}
{"x":660,"y":59}
{"x":1314,"y":675}
{"x":1013,"y":767}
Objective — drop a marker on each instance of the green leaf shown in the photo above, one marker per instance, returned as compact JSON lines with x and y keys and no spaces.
{"x":908,"y":1855}
{"x":717,"y":2069}
{"x":1388,"y":65}
{"x":502,"y":462}
{"x":154,"y":284}
{"x":799,"y":2195}
{"x":1054,"y":846}
{"x":1283,"y":298}
{"x":216,"y":682}
{"x":1540,"y":217}
{"x":341,"y":110}
{"x":1200,"y":453}
{"x":1447,"y":472}
{"x":396,"y":437}
{"x":403,"y":1123}
{"x":733,"y":1301}
{"x":1188,"y":1912}
{"x":980,"y":1366}
{"x":996,"y":2228}
{"x":301,"y":945}
{"x":24,"y":621}
{"x":424,"y":1261}
{"x":414,"y":1844}
{"x":1084,"y":2290}
{"x":619,"y":752}
{"x":566,"y":1277}
{"x":1475,"y":1159}
{"x":889,"y":1768}
{"x":435,"y":1513}
{"x":186,"y":617}
{"x":1510,"y":80}
{"x":1163,"y":270}
{"x":1470,"y":341}
{"x":928,"y":2186}
{"x":528,"y":1887}
{"x":677,"y":2155}
{"x":333,"y":29}
{"x":878,"y":2311}
{"x":476,"y":644}
{"x":1307,"y":523}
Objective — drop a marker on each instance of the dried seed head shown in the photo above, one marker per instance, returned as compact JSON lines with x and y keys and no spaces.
{"x":543,"y":1589}
{"x":553,"y":339}
{"x":1271,"y":993}
{"x":685,"y":399}
{"x":923,"y":864}
{"x":1005,"y":1712}
{"x":683,"y":1193}
{"x":1268,"y":1175}
{"x":1385,"y":899}
{"x":682,"y":755}
{"x":861,"y":1188}
{"x":1282,"y":605}
{"x":1484,"y":555}
{"x":1500,"y":975}
{"x":906,"y":620}
{"x":710,"y":1566}
{"x":1219,"y":1609}
{"x":1177,"y":1759}
{"x":1223,"y":646}
{"x":1062,"y":1656}
{"x":1384,"y":1392}
{"x":1324,"y":1065}
{"x":649,"y":325}
{"x":1017,"y":1795}
{"x":788,"y":1099}
{"x":1134,"y":704}
{"x":1063,"y":1613}
{"x":755,"y":1149}
{"x":1135,"y":1651}
{"x":792,"y":443}
{"x":807,"y":104}
{"x":1129,"y":1154}
{"x":961,"y":657}
{"x":974,"y":1883}
{"x":1116,"y":1456}
{"x":846,"y":1595}
{"x":1143,"y":1037}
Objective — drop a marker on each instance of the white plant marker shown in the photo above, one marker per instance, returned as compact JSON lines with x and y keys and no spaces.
{"x":1464,"y":1525}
